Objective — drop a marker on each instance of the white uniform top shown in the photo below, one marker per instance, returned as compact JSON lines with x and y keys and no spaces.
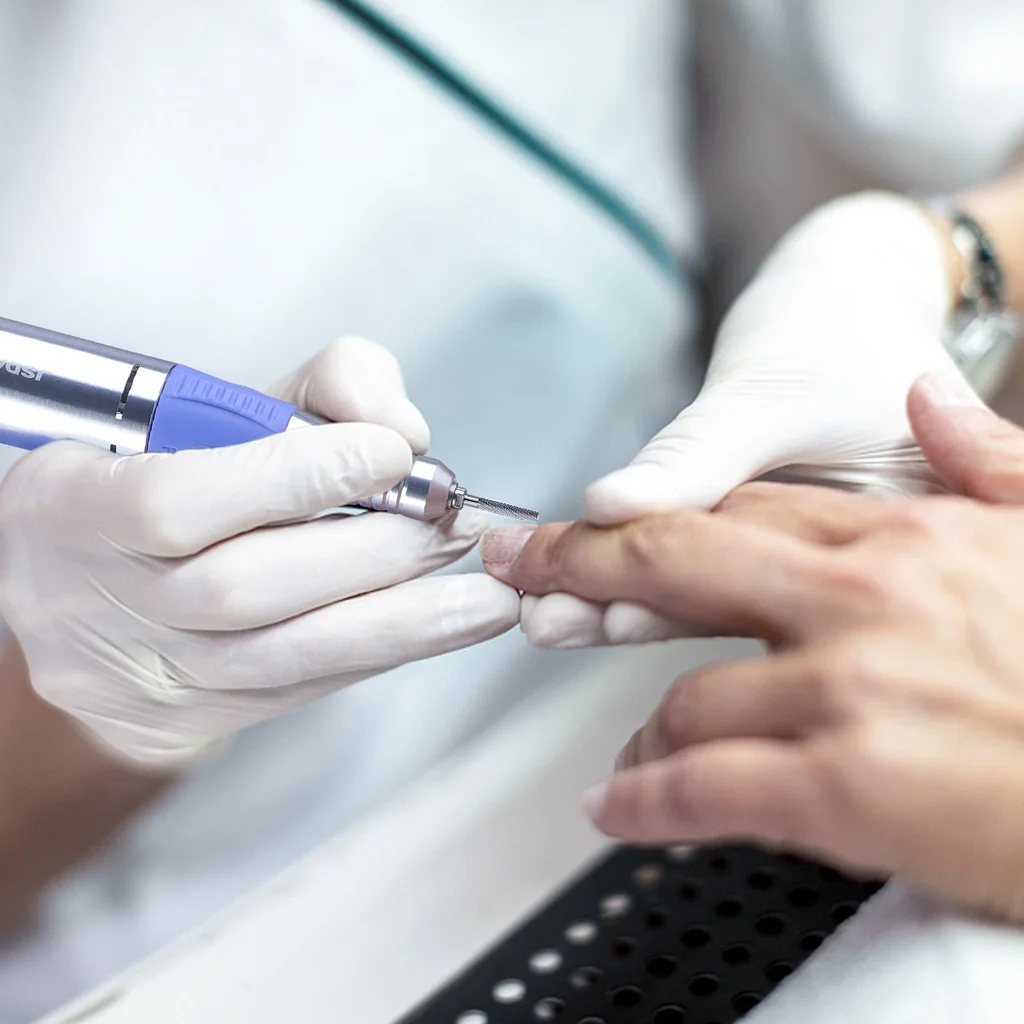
{"x":232,"y":183}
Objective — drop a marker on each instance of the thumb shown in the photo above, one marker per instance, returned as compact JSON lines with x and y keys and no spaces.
{"x":976,"y":452}
{"x":718,"y":442}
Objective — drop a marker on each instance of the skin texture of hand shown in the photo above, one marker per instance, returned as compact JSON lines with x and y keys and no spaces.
{"x":885,"y":730}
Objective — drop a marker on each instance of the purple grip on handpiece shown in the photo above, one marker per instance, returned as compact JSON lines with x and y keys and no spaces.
{"x":196,"y":410}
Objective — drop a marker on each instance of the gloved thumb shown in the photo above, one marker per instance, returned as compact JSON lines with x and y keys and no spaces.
{"x":721,"y":440}
{"x":976,"y":452}
{"x":357,"y":381}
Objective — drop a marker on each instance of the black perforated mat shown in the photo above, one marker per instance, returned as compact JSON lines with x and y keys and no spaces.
{"x":656,"y":937}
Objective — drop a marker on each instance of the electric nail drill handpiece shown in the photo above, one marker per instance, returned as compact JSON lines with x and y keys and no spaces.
{"x":57,"y":387}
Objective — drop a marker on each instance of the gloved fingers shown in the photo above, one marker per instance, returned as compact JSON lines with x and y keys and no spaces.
{"x":626,"y":622}
{"x":269,"y":575}
{"x":408,"y":622}
{"x":720,"y":441}
{"x":562,"y":621}
{"x":565,"y":622}
{"x":178,"y":727}
{"x":353,"y":380}
{"x":176,"y":505}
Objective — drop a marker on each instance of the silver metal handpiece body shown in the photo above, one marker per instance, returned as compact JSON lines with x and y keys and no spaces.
{"x":57,"y":386}
{"x":428,"y":492}
{"x":431,"y":490}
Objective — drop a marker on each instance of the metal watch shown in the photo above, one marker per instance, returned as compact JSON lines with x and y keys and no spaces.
{"x":981,"y":334}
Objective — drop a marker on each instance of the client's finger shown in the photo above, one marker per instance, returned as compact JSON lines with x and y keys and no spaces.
{"x":822,"y":515}
{"x":779,"y":697}
{"x":729,"y":789}
{"x":686,"y":565}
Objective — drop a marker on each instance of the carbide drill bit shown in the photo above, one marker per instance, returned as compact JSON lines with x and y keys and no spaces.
{"x":500,"y":508}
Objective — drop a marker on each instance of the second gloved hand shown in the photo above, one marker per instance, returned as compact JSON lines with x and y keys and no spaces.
{"x":810,"y":371}
{"x":156,"y":600}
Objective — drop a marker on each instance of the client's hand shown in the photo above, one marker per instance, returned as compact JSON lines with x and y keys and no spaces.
{"x":886,"y":729}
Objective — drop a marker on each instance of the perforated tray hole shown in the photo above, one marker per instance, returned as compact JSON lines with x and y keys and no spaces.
{"x":662,"y":966}
{"x":545,"y":961}
{"x":616,"y":904}
{"x":586,"y":977}
{"x":844,"y":910}
{"x":549,"y":1009}
{"x":803,"y":896}
{"x":656,"y":917}
{"x":670,"y":1015}
{"x":648,"y":875}
{"x":627,"y":995}
{"x":704,"y":984}
{"x":472,"y":1017}
{"x":689,"y":890}
{"x":720,"y":864}
{"x":737,"y":954}
{"x":680,"y":854}
{"x":511,"y":990}
{"x":770,"y":925}
{"x":729,"y":907}
{"x":811,"y":941}
{"x":761,"y":879}
{"x":622,"y":946}
{"x":579,"y":933}
{"x":778,"y":971}
{"x":744,"y":1002}
{"x":695,"y":937}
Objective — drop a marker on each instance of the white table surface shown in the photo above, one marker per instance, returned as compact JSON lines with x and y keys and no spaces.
{"x":373,"y":922}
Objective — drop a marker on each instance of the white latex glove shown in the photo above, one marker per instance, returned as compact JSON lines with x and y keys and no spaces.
{"x":810,"y":371}
{"x":155,"y":604}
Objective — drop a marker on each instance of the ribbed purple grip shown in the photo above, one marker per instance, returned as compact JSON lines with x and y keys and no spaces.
{"x":196,"y":410}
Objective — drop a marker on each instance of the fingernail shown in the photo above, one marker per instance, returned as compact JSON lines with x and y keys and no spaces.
{"x":950,"y":389}
{"x":594,"y":800}
{"x":620,"y":759}
{"x":500,"y":546}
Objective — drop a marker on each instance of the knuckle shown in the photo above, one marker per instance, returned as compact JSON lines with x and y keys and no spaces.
{"x":858,"y":582}
{"x":846,"y":676}
{"x":849,"y":769}
{"x":649,"y":541}
{"x":834,"y":769}
{"x":927,"y":519}
{"x":748,"y":496}
{"x":874,"y":584}
{"x":679,"y":718}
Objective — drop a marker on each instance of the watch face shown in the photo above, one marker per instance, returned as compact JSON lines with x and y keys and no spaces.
{"x":983,"y":348}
